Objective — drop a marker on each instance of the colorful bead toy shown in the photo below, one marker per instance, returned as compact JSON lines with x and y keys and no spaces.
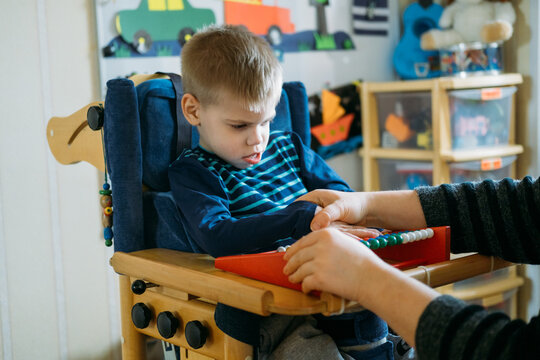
{"x":402,"y":237}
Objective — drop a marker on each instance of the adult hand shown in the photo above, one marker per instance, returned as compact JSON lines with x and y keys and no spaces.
{"x":382,"y":209}
{"x":348,"y":207}
{"x":330,"y":260}
{"x":357,"y":231}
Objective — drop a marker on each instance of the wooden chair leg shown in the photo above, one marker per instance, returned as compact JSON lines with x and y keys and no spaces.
{"x":235,"y":349}
{"x":133,"y":342}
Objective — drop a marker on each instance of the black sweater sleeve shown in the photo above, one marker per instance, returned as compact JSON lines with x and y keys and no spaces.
{"x":499,"y":218}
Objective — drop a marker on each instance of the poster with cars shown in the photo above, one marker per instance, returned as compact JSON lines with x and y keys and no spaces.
{"x":315,"y":40}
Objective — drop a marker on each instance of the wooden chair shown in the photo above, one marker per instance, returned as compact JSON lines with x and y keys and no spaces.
{"x":167,"y":293}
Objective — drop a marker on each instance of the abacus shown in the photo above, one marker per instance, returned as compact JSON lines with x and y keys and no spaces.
{"x":402,"y":249}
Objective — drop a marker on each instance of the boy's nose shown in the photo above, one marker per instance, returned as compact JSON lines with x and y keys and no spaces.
{"x":255,"y":137}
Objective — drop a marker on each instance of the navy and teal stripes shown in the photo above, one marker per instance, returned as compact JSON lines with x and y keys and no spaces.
{"x":226,"y":210}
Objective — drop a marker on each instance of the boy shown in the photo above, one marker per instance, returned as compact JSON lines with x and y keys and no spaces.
{"x":235,"y":192}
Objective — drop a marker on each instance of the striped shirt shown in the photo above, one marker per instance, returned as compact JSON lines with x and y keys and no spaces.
{"x":227,"y":210}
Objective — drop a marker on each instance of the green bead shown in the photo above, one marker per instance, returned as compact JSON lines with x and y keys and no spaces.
{"x":382,"y":242}
{"x":365,"y":243}
{"x":108,"y":242}
{"x":373,"y":244}
{"x":399,"y":239}
{"x":105,"y":192}
{"x":392,"y":240}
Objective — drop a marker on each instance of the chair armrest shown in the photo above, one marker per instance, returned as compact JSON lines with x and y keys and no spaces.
{"x":196,"y":275}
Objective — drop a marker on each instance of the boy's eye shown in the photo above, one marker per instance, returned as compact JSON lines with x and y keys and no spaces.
{"x":238,"y":126}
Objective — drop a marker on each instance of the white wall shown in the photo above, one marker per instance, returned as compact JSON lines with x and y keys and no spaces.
{"x":55,"y":283}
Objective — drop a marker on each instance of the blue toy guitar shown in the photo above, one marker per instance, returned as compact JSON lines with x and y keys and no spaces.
{"x":410,"y":61}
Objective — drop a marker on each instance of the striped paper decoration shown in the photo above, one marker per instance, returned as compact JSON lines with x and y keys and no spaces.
{"x":371,"y":17}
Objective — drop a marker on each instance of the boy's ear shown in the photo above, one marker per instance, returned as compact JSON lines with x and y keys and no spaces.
{"x":191,"y":107}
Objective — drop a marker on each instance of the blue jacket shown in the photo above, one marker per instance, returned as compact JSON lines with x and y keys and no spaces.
{"x":228,"y":211}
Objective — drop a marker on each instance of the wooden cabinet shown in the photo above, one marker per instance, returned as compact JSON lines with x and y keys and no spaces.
{"x":437,"y":131}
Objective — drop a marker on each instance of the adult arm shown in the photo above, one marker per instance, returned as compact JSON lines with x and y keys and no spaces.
{"x":499,"y":218}
{"x":440,"y":327}
{"x":204,"y":210}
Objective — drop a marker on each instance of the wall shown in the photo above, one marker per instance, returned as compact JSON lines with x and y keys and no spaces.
{"x":56,"y":291}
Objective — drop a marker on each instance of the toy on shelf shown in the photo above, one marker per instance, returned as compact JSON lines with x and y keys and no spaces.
{"x":335,"y":120}
{"x":404,"y":249}
{"x":473,"y":58}
{"x":410,"y":60}
{"x":467,"y":21}
{"x":409,"y":125}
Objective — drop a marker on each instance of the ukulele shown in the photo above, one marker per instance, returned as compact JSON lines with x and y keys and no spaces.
{"x":410,"y":61}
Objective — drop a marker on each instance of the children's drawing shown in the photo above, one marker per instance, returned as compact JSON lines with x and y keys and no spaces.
{"x":162,"y":27}
{"x":159,"y":22}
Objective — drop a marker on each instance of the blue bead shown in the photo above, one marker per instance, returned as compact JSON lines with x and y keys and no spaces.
{"x":106,"y":186}
{"x":107,"y":233}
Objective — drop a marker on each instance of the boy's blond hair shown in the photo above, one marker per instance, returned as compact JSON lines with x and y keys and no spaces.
{"x":233,"y":60}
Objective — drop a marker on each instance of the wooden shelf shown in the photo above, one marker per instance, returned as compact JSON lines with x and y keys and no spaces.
{"x":442,"y":154}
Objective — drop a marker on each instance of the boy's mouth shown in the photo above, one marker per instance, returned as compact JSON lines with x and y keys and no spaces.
{"x":253,"y":158}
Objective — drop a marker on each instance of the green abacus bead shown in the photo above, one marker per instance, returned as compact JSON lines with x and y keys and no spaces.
{"x":399,"y":239}
{"x":373,"y":244}
{"x":391,"y":240}
{"x":382,"y":242}
{"x":365,"y":243}
{"x":108,"y":242}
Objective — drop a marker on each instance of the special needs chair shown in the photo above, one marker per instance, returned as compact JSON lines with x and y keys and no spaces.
{"x":165,"y":292}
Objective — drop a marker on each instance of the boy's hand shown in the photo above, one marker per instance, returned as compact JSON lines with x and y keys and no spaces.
{"x":356,"y":231}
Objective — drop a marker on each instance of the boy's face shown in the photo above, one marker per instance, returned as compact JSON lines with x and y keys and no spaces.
{"x":236,"y":135}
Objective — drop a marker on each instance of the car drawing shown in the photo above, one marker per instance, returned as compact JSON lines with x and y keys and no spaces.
{"x":161,"y":20}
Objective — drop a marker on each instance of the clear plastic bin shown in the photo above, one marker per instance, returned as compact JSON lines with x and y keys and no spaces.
{"x":405,"y":120}
{"x":401,"y":174}
{"x":480,"y":117}
{"x":493,"y":168}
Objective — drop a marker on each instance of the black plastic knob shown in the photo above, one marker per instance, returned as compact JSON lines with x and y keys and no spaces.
{"x":167,"y":324}
{"x":196,"y":334}
{"x":141,"y":315}
{"x":139,"y":286}
{"x":95,"y":117}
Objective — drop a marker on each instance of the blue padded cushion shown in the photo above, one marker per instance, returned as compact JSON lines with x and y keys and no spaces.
{"x":140,"y":143}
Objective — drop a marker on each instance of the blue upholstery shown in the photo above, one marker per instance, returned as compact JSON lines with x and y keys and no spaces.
{"x":140,"y":143}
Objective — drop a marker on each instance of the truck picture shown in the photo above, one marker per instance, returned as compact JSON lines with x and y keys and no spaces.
{"x":269,"y":21}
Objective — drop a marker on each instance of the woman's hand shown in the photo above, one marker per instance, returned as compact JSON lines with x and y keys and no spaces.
{"x":393,"y":210}
{"x":330,"y":260}
{"x":347,"y":207}
{"x":357,"y":231}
